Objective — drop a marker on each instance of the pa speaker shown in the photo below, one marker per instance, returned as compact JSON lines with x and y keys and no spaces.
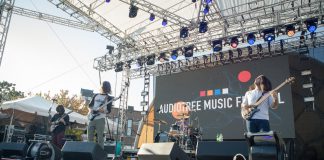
{"x":226,"y":150}
{"x":13,"y":150}
{"x":43,"y":150}
{"x":83,"y":150}
{"x":161,"y":151}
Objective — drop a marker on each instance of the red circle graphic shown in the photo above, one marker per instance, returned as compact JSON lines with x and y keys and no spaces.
{"x":244,"y":76}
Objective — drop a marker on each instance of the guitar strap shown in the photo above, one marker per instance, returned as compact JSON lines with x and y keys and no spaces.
{"x":260,"y":98}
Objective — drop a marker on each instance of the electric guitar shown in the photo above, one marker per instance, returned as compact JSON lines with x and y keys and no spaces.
{"x":95,"y":112}
{"x":56,"y":123}
{"x":247,"y":113}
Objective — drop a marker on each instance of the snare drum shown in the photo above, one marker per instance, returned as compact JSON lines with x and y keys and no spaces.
{"x":174,"y":130}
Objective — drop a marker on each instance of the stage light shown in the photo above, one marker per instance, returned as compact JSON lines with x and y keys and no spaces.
{"x":208,"y":1}
{"x":251,"y":38}
{"x":188,"y":51}
{"x":174,"y":54}
{"x":269,"y":35}
{"x":193,"y":1}
{"x":184,"y":32}
{"x":132,"y":11}
{"x":203,"y":27}
{"x":164,"y":56}
{"x":311,"y":26}
{"x":234,"y":42}
{"x":152,"y":17}
{"x":290,"y":30}
{"x":107,"y":1}
{"x":140,"y":61}
{"x":164,"y":22}
{"x":217,"y":45}
{"x":206,"y":9}
{"x":150,"y":59}
{"x":119,"y":66}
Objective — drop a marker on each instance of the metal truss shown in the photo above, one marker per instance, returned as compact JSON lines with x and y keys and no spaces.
{"x":86,"y":14}
{"x":51,"y":18}
{"x":158,"y":11}
{"x":5,"y":17}
{"x":281,"y":47}
{"x":222,"y":25}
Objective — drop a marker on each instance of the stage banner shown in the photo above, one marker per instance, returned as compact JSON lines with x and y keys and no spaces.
{"x":211,"y":98}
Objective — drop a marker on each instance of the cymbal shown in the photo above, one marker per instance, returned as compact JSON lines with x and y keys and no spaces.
{"x":183,"y":115}
{"x":160,"y":121}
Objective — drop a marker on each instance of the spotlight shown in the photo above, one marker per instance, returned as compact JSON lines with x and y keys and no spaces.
{"x":312,"y":25}
{"x":234,"y":42}
{"x":290,"y":30}
{"x":132,"y":11}
{"x":119,"y":66}
{"x":107,"y":1}
{"x":217,"y":45}
{"x":269,"y":35}
{"x":164,"y":22}
{"x":184,"y":32}
{"x":188,"y":51}
{"x":150,"y":59}
{"x":206,"y":9}
{"x":203,"y":27}
{"x":208,"y":1}
{"x":174,"y":54}
{"x":251,"y":38}
{"x":140,"y":61}
{"x":164,"y":57}
{"x":152,"y":17}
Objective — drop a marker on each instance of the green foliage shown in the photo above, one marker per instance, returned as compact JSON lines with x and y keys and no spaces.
{"x":8,"y":92}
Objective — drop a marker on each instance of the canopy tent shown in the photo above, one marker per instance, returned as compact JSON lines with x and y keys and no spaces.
{"x":40,"y":106}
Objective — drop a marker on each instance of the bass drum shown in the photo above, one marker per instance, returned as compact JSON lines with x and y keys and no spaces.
{"x":44,"y":151}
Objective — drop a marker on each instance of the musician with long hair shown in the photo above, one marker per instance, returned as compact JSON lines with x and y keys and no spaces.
{"x":259,"y":122}
{"x":97,"y":123}
{"x":60,"y":124}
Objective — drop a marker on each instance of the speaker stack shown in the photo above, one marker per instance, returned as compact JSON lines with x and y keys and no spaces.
{"x":161,"y":151}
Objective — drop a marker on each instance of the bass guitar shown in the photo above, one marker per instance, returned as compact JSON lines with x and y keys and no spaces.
{"x":247,"y":113}
{"x":56,"y":123}
{"x":95,"y":112}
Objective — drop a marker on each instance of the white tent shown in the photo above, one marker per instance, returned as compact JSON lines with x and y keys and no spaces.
{"x":41,"y":106}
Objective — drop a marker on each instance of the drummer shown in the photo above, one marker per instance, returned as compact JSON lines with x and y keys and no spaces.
{"x":183,"y":125}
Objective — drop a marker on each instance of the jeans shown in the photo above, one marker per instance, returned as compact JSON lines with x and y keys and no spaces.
{"x":257,"y":125}
{"x":98,"y":126}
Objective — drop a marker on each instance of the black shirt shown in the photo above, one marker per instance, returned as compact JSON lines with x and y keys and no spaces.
{"x":61,"y":126}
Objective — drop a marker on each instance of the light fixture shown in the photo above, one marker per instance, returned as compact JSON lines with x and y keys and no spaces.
{"x":119,"y":66}
{"x":174,"y":54}
{"x":208,"y":1}
{"x":203,"y":26}
{"x":217,"y":45}
{"x":188,"y":51}
{"x":164,"y":56}
{"x":152,"y":17}
{"x":234,"y":42}
{"x":132,"y":11}
{"x":206,"y":9}
{"x":164,"y":22}
{"x":290,"y":30}
{"x":107,"y":1}
{"x":140,"y":61}
{"x":193,"y":1}
{"x":184,"y":32}
{"x":311,"y":24}
{"x":269,"y":35}
{"x":150,"y":59}
{"x":251,"y":38}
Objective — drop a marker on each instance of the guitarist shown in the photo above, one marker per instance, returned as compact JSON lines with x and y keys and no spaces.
{"x":58,"y":132}
{"x":97,"y":125}
{"x":260,"y":120}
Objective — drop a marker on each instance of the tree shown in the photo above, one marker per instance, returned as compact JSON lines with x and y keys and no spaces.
{"x":8,"y":92}
{"x":75,"y":103}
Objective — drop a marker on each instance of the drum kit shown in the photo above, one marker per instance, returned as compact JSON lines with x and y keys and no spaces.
{"x":182,"y":132}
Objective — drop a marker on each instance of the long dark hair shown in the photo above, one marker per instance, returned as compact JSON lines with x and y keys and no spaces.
{"x":105,"y":87}
{"x":265,"y":81}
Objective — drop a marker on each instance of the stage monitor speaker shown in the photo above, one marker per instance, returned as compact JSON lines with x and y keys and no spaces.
{"x":161,"y":151}
{"x":43,"y":150}
{"x":226,"y":150}
{"x":13,"y":150}
{"x":83,"y":150}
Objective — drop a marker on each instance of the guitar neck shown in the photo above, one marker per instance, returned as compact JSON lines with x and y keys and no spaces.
{"x":268,"y":95}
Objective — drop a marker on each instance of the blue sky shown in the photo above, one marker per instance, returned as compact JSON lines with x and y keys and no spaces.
{"x":41,"y":56}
